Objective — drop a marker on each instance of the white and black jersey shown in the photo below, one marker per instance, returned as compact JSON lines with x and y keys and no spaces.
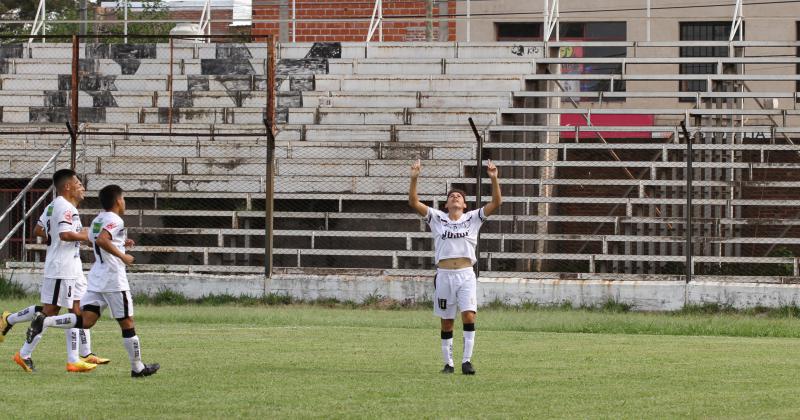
{"x":108,"y":272}
{"x":455,"y":238}
{"x":63,"y":260}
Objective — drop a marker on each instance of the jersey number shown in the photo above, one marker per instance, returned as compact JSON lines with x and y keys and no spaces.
{"x":47,"y":233}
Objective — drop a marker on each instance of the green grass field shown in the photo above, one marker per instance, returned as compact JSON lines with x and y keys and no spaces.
{"x":313,"y":361}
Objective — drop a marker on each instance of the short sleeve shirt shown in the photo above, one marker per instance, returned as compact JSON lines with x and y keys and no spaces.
{"x":63,"y":259}
{"x":455,"y":239}
{"x":108,"y":272}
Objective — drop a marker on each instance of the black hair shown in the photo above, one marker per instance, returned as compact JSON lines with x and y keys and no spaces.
{"x":109,"y":195}
{"x":463,"y":195}
{"x":61,"y":177}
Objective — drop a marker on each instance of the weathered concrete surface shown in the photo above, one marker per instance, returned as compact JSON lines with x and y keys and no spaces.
{"x":642,"y":295}
{"x":645,"y":295}
{"x":744,"y":295}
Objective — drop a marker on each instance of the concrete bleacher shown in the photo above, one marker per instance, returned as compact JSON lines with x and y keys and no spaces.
{"x":354,"y":117}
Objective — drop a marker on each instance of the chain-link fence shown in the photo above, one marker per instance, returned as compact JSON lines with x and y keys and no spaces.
{"x":180,"y":126}
{"x":29,"y":158}
{"x":178,"y":123}
{"x":592,"y":207}
{"x":148,"y":80}
{"x":345,"y":205}
{"x":195,"y":200}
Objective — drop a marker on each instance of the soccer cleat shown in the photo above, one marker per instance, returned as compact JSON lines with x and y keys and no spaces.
{"x":147,"y":371}
{"x":95,"y":360}
{"x":467,"y":369}
{"x":25,"y":364}
{"x":448,"y":369}
{"x":80,"y":366}
{"x":5,"y":327}
{"x":36,"y":327}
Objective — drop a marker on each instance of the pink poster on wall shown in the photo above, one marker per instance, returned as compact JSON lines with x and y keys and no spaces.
{"x":608,"y":120}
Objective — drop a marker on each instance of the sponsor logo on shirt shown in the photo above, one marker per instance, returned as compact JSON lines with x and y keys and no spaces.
{"x":452,"y":235}
{"x":96,"y":227}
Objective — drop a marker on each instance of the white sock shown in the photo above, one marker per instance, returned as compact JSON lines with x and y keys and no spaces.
{"x":28,"y":348}
{"x":469,"y":343}
{"x":64,"y":322}
{"x":134,"y":353}
{"x":72,"y":344}
{"x":85,"y":337}
{"x":447,"y":351}
{"x":25,"y":315}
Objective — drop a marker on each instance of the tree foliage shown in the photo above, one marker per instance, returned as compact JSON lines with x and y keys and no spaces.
{"x":69,"y":10}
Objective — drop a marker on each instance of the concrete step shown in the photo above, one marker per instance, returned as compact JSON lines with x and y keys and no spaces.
{"x":364,"y":168}
{"x":51,"y":82}
{"x":422,"y":50}
{"x":423,"y":99}
{"x":181,"y":99}
{"x":414,"y":83}
{"x":256,"y":184}
{"x":377,"y":133}
{"x":160,"y":66}
{"x":180,"y":50}
{"x":179,"y":183}
{"x":395,"y":116}
{"x":238,"y":147}
{"x":464,"y":66}
{"x":385,"y":138}
{"x":131,"y":115}
{"x":153,"y":166}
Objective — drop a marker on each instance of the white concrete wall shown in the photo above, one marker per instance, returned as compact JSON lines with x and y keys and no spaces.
{"x":643,"y":295}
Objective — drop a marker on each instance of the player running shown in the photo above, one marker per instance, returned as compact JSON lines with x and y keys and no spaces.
{"x":63,"y":284}
{"x":108,"y":282}
{"x":455,"y":234}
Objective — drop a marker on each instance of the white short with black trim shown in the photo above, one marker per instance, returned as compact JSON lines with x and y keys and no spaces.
{"x":454,"y":287}
{"x":120,"y":303}
{"x":57,"y":292}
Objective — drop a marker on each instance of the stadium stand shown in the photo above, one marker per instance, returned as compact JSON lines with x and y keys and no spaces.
{"x":581,"y":194}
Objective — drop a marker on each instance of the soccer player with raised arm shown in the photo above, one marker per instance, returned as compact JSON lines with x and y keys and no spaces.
{"x":63,"y":284}
{"x":108,"y":282}
{"x":455,"y":234}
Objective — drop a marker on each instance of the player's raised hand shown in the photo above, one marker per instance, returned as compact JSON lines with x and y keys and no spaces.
{"x":129,"y":243}
{"x":491,"y":169}
{"x":415,"y":168}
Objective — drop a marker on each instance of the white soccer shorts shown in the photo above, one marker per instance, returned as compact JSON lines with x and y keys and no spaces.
{"x":80,"y":287}
{"x":57,"y":292}
{"x":454,"y":287}
{"x":120,"y":303}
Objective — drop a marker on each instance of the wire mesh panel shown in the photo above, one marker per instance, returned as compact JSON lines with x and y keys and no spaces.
{"x":177,"y":123}
{"x":193,"y":199}
{"x":345,"y":205}
{"x":747,"y":222}
{"x":591,"y":187}
{"x":30,"y":157}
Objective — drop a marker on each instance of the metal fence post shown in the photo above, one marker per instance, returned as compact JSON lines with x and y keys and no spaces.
{"x":689,"y":176}
{"x":169,"y":81}
{"x":478,"y":182}
{"x":269,"y":190}
{"x":74,"y":102}
{"x":271,"y":90}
